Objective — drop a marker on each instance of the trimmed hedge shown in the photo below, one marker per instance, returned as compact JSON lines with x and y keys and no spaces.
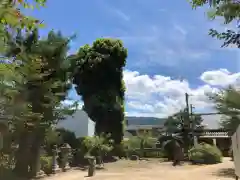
{"x":205,"y":154}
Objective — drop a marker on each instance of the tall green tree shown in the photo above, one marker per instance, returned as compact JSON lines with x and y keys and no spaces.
{"x":43,"y":66}
{"x":98,"y":76}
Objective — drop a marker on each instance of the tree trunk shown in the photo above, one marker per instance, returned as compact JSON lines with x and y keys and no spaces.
{"x":99,"y":128}
{"x":35,"y":154}
{"x":111,"y":123}
{"x":36,"y":151}
{"x":22,"y":155}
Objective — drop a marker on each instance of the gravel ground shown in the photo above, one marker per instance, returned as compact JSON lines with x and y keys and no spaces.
{"x":153,"y":169}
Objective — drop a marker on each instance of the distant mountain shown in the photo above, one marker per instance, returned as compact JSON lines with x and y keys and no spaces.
{"x":133,"y":120}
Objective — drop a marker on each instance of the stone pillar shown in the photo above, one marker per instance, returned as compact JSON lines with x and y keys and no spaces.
{"x":39,"y":170}
{"x":65,"y":150}
{"x":195,"y":141}
{"x":3,"y":131}
{"x":1,"y":141}
{"x":14,"y":148}
{"x":214,"y":142}
{"x":92,"y":166}
{"x":55,"y":166}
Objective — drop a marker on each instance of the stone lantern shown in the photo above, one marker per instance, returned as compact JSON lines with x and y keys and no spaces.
{"x":55,"y":166}
{"x":14,"y":148}
{"x":65,"y":150}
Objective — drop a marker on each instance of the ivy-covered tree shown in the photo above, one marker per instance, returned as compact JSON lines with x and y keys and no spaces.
{"x":98,"y":76}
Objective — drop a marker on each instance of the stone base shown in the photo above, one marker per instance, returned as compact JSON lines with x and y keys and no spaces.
{"x":56,"y":170}
{"x":40,"y":174}
{"x":66,"y":168}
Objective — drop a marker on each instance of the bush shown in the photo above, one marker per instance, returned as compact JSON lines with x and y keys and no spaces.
{"x":133,"y":146}
{"x":119,"y":151}
{"x":97,"y":145}
{"x":205,"y":154}
{"x":155,"y":154}
{"x":79,"y":158}
{"x":46,"y":164}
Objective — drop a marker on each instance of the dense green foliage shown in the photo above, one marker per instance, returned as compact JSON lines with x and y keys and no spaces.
{"x":35,"y":76}
{"x":39,"y":83}
{"x":97,"y":145}
{"x":170,"y":145}
{"x":12,"y":18}
{"x":205,"y":154}
{"x":59,"y":137}
{"x":182,"y":125}
{"x":136,"y":145}
{"x":175,"y":123}
{"x":46,"y":164}
{"x":230,"y":11}
{"x":227,"y":102}
{"x":98,"y":76}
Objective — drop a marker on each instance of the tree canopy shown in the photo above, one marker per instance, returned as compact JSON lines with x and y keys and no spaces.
{"x":42,"y":83}
{"x":227,"y":102}
{"x":229,"y":10}
{"x":175,"y":123}
{"x":98,"y":76}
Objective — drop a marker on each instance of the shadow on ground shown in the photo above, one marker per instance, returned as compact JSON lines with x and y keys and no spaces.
{"x":226,"y":172}
{"x":7,"y":174}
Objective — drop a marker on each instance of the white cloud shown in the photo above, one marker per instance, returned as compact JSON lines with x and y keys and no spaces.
{"x":164,"y":94}
{"x":160,"y":96}
{"x":221,"y":77}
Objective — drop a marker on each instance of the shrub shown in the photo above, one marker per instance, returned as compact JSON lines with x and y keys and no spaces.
{"x":133,"y":145}
{"x":96,"y":146}
{"x":119,"y":150}
{"x":155,"y":154}
{"x":205,"y":154}
{"x":79,"y":158}
{"x":46,"y":164}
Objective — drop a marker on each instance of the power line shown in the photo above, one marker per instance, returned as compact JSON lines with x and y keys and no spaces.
{"x":216,"y":113}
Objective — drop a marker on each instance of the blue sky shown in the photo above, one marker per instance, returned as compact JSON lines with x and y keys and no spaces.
{"x":163,"y":38}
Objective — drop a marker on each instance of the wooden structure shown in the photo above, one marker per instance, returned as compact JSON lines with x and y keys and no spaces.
{"x":219,"y":137}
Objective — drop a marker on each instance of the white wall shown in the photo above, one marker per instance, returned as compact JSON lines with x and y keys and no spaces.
{"x":79,"y":123}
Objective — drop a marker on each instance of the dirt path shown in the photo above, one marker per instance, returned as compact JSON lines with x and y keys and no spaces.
{"x":129,"y":170}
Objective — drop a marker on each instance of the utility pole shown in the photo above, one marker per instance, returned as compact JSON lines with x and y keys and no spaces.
{"x":193,"y":125}
{"x":192,"y":117}
{"x":187,"y":102}
{"x":186,"y":126}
